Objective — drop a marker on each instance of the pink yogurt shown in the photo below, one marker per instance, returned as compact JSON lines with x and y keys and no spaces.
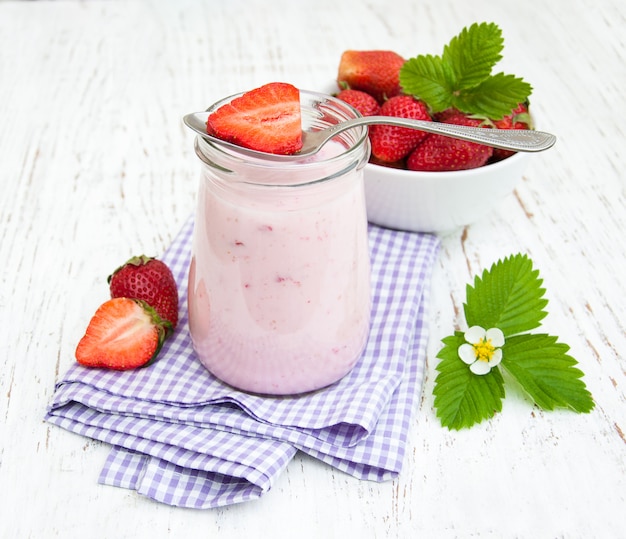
{"x":279,"y":284}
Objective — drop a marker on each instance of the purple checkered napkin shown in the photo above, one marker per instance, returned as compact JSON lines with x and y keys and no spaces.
{"x":182,"y":437}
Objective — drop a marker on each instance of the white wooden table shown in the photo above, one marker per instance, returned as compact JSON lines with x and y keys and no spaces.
{"x":95,"y":165}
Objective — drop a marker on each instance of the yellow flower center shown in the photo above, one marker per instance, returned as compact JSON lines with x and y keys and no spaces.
{"x":484,"y":350}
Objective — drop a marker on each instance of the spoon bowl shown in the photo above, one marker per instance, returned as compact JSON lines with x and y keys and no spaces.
{"x":518,"y":140}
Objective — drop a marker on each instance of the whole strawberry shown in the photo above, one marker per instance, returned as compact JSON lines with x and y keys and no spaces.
{"x":361,"y":101}
{"x":518,"y":119}
{"x":441,"y":153}
{"x":438,"y":153}
{"x":455,"y":116}
{"x":391,"y":143}
{"x":150,"y":280}
{"x":374,"y":72}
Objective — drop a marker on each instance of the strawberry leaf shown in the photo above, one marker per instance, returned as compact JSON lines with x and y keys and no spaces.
{"x":544,"y":370}
{"x":473,"y":53}
{"x":463,"y":399}
{"x":429,"y":79}
{"x":508,"y":296}
{"x":461,"y":77}
{"x":494,"y":97}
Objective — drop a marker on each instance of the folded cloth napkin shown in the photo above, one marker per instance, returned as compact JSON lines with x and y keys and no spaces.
{"x":182,"y":437}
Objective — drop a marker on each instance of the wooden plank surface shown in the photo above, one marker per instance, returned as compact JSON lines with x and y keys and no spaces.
{"x":95,"y":165}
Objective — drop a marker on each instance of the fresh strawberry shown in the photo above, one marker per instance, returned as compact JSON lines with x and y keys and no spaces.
{"x":374,"y":72}
{"x":150,"y":280}
{"x":267,"y":119}
{"x":391,"y":143}
{"x":361,"y":101}
{"x":123,"y":334}
{"x":518,"y":119}
{"x":455,"y":116}
{"x":438,"y":152}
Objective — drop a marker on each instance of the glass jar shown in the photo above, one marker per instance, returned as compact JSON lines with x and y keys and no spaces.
{"x":279,"y":282}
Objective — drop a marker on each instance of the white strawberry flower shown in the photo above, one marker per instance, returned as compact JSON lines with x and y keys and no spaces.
{"x":482,"y":351}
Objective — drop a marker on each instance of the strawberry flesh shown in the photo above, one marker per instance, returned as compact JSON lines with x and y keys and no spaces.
{"x":266,"y":119}
{"x":123,"y":334}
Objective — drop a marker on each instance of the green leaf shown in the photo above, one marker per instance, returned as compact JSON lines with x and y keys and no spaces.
{"x":429,"y":79}
{"x":508,"y":296}
{"x":473,"y":53}
{"x":461,"y":76}
{"x":461,"y":397}
{"x":495,"y":97}
{"x":544,"y":370}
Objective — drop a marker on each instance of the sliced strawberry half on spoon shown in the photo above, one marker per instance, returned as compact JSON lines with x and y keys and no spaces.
{"x":266,"y":119}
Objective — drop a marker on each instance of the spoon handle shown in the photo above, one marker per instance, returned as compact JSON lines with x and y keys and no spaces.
{"x":521,"y":140}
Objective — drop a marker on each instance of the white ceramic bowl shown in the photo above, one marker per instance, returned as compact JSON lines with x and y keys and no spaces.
{"x":438,"y":201}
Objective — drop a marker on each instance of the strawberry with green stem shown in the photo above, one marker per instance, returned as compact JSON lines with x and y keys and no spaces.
{"x":148,"y":279}
{"x":518,"y":118}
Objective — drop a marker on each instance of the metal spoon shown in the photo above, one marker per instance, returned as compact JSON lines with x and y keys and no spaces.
{"x":520,"y":140}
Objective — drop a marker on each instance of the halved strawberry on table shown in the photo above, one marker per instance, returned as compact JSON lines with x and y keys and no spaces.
{"x":266,"y":119}
{"x":123,"y":334}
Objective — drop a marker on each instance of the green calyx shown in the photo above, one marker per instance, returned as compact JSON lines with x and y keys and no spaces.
{"x":140,"y":260}
{"x":164,"y":327}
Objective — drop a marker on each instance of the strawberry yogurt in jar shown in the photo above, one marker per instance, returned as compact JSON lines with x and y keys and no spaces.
{"x":279,"y":284}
